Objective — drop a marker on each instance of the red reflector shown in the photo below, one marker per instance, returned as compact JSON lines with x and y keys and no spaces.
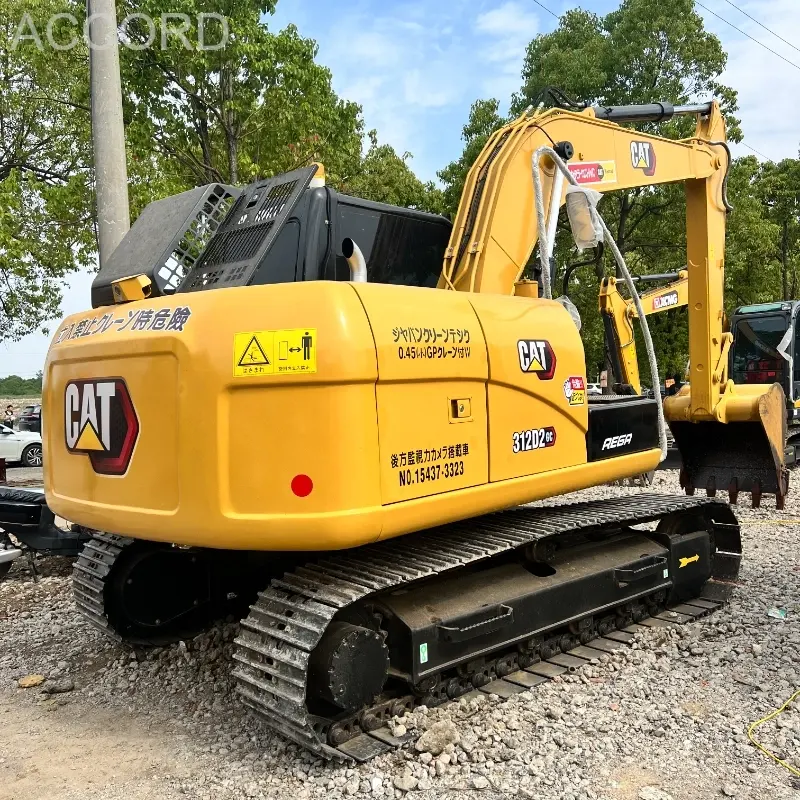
{"x":302,"y":485}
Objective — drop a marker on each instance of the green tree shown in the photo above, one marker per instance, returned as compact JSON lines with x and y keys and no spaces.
{"x":483,"y":120}
{"x":778,"y":190}
{"x":752,"y":273}
{"x":14,"y":386}
{"x":260,"y":105}
{"x":643,"y":51}
{"x":386,"y":177}
{"x":46,"y":195}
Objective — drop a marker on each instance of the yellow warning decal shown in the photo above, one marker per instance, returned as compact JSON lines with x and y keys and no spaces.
{"x":686,"y":561}
{"x":278,"y":352}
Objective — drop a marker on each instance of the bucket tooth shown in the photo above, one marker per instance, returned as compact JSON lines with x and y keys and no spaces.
{"x":755,"y":494}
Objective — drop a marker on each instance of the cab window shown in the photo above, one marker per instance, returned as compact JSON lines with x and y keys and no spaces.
{"x":397,"y":249}
{"x":755,"y":355}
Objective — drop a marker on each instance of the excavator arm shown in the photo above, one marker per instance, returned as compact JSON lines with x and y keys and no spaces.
{"x":619,"y":313}
{"x":495,"y":231}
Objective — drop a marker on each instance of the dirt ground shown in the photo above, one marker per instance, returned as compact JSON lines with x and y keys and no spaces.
{"x":59,"y":749}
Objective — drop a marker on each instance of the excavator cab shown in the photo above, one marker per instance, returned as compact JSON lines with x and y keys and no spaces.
{"x":766,"y":349}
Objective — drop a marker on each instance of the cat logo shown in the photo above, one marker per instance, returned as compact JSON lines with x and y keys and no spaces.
{"x":100,"y":421}
{"x":537,"y":356}
{"x":643,"y":157}
{"x":686,"y":561}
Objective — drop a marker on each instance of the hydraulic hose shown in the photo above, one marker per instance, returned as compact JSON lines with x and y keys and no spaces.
{"x":577,"y":265}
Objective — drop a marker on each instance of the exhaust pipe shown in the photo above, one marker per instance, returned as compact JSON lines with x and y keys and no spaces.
{"x":355,"y":258}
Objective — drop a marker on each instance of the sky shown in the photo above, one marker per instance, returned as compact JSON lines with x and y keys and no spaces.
{"x":416,"y":67}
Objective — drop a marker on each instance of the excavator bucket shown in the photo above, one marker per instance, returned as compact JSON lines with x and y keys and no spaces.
{"x":745,"y":454}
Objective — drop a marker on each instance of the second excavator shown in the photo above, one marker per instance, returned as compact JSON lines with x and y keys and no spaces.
{"x":764,"y":346}
{"x":350,"y":448}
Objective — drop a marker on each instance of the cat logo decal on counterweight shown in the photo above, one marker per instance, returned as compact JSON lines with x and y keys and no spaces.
{"x":100,"y":422}
{"x":537,"y":356}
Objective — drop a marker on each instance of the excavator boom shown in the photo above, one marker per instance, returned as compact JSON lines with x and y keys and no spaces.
{"x":496,"y":229}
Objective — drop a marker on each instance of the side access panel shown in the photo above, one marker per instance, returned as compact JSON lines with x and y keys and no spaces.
{"x":538,"y":414}
{"x":431,"y":390}
{"x":618,"y":427}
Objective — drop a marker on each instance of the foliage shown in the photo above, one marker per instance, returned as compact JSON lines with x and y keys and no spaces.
{"x":751,"y":266}
{"x":258,"y":106}
{"x":14,"y":386}
{"x":778,"y":191}
{"x":386,"y":177}
{"x":643,"y":51}
{"x":483,"y":120}
{"x":46,"y":193}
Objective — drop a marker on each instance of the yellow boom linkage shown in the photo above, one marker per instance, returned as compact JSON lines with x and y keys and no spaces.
{"x":621,"y":313}
{"x":495,"y":232}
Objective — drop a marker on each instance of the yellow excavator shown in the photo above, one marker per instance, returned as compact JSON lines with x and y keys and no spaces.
{"x":353,"y":458}
{"x":763,"y":343}
{"x":619,"y":314}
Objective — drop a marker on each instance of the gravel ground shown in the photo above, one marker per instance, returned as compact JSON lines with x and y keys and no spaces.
{"x":665,"y":718}
{"x":24,"y":476}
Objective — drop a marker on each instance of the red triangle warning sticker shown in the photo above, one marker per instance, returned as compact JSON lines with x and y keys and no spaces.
{"x":253,"y":355}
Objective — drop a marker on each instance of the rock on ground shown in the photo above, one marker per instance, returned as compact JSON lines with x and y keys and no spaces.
{"x":665,"y":718}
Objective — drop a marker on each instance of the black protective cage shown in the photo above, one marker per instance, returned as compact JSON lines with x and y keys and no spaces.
{"x":247,"y":233}
{"x":166,"y":241}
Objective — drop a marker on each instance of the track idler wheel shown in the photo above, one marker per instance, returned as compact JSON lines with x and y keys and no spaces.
{"x":349,"y":666}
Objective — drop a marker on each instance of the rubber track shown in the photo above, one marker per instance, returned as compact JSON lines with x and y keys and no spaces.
{"x":290,"y":617}
{"x":88,"y":578}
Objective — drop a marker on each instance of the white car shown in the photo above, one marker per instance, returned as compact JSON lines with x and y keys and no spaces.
{"x":23,"y":446}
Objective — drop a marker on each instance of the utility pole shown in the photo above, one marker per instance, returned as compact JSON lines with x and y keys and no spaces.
{"x":108,"y":133}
